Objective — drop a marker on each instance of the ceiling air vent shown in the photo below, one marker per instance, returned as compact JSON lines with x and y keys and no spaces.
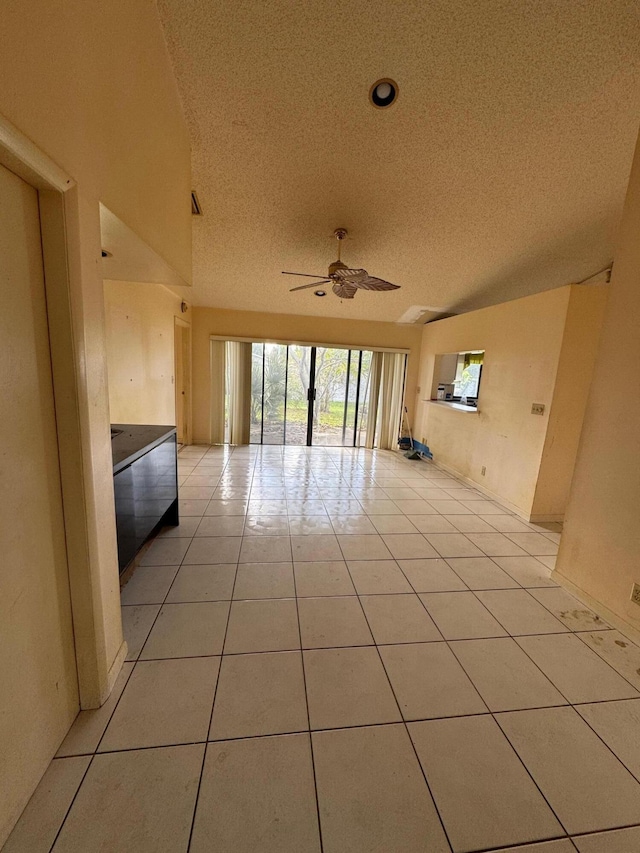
{"x":196,"y":210}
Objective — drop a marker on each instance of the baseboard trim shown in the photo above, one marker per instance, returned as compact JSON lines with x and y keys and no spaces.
{"x":114,"y":671}
{"x":536,"y":519}
{"x":614,"y":619}
{"x":525,"y":516}
{"x":494,"y":497}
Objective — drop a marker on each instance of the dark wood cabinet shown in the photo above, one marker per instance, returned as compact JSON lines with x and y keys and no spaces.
{"x":145,"y":484}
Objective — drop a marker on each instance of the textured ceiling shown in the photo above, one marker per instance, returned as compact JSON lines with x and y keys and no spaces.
{"x":499,"y":172}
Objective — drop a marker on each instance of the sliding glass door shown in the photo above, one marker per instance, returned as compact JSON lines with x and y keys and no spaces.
{"x":297,"y":402}
{"x":341,"y":380}
{"x":303,"y":395}
{"x":269,"y":368}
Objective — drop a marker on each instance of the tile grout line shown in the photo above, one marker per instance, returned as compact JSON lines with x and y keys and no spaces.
{"x":402,"y":721}
{"x":600,"y":831}
{"x":306,"y":700}
{"x":329,"y":729}
{"x":508,"y":634}
{"x":213,"y":702}
{"x":599,"y":736}
{"x":525,"y":845}
{"x":73,"y":799}
{"x":603,"y":659}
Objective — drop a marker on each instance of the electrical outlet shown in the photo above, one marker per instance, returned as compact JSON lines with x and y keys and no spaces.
{"x":635,"y":593}
{"x":537,"y":408}
{"x":484,"y":471}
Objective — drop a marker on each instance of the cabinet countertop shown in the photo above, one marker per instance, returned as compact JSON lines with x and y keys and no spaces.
{"x":452,"y":404}
{"x":134,"y":440}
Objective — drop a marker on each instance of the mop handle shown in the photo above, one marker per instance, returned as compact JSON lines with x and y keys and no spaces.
{"x":409,"y":426}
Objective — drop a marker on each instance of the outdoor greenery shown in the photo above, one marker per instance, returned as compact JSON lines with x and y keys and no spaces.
{"x":331,"y":376}
{"x":332,"y":417}
{"x":466,"y":382}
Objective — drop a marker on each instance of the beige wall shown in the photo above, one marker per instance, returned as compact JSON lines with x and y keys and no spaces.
{"x":289,"y":327}
{"x":91,"y":85}
{"x":600,"y":548}
{"x":578,"y":355}
{"x":140,"y":353}
{"x":523,"y":342}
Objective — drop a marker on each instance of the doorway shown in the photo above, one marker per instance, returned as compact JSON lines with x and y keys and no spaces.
{"x":182,"y":379}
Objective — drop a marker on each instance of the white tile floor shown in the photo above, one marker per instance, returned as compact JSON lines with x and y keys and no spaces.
{"x":344,"y":651}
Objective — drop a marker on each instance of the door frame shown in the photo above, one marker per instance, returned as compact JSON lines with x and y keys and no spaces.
{"x":84,"y":492}
{"x":178,"y":322}
{"x":311,"y":390}
{"x":311,"y":395}
{"x":321,"y":344}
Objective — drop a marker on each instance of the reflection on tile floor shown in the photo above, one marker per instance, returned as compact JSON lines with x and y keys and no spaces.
{"x":341,"y":651}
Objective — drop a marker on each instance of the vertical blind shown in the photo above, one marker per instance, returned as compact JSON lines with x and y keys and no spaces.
{"x":218,"y":387}
{"x":239,"y":378}
{"x":391,"y":392}
{"x":375,"y":374}
{"x":385,"y":393}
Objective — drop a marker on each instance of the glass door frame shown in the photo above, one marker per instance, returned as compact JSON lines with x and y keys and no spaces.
{"x":311,"y":395}
{"x":360,"y":393}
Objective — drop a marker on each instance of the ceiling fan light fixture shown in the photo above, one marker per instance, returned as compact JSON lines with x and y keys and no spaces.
{"x":383,"y":93}
{"x":345,"y":282}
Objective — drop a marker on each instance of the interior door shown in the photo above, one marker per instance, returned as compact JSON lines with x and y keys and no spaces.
{"x":39,"y":695}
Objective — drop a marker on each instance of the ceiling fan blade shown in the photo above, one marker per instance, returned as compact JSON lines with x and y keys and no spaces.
{"x":351,"y":275}
{"x":344,"y":290}
{"x":372,"y":283}
{"x":305,"y":274}
{"x":307,"y":286}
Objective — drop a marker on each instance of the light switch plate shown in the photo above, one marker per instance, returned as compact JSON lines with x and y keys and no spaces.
{"x":537,"y":408}
{"x":635,"y":593}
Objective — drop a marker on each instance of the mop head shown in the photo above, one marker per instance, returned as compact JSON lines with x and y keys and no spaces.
{"x":412,"y":454}
{"x":405,"y":443}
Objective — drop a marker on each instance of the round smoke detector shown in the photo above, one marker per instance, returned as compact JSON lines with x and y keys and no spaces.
{"x":383,"y":93}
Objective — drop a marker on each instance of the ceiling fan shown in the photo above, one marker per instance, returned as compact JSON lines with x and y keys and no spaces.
{"x":346,"y":281}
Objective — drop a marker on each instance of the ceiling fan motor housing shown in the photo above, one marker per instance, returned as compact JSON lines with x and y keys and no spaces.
{"x":336,"y":265}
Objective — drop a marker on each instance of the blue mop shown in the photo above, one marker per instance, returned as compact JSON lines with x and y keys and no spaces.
{"x":412,"y":453}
